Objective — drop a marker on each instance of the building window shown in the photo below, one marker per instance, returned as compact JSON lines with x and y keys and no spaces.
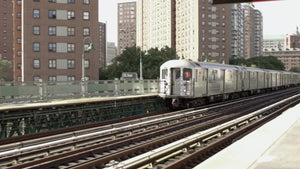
{"x":36,"y":0}
{"x":19,"y":66}
{"x":71,"y":31}
{"x":51,"y":30}
{"x":36,"y":13}
{"x":19,"y":27}
{"x":19,"y":15}
{"x":19,"y":53}
{"x":71,"y":64}
{"x":71,"y":14}
{"x":51,"y":0}
{"x":71,"y":47}
{"x":36,"y":79}
{"x":36,"y":46}
{"x":71,"y":78}
{"x":86,"y":15}
{"x":52,"y":78}
{"x":19,"y":3}
{"x":86,"y":2}
{"x":51,"y":14}
{"x":52,"y":64}
{"x":86,"y":31}
{"x":19,"y":41}
{"x":52,"y":47}
{"x":71,"y":1}
{"x":86,"y":46}
{"x":86,"y":64}
{"x":36,"y":63}
{"x":36,"y":30}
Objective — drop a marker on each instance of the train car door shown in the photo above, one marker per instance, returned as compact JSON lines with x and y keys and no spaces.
{"x":198,"y":81}
{"x":205,"y":80}
{"x":175,"y":81}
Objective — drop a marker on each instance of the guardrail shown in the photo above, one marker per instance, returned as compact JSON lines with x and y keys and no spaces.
{"x":43,"y":91}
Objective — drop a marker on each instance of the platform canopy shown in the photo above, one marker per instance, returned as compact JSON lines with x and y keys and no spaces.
{"x":237,"y":1}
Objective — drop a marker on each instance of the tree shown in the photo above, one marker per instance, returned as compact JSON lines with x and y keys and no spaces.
{"x":263,"y":62}
{"x":129,"y":61}
{"x":5,"y":65}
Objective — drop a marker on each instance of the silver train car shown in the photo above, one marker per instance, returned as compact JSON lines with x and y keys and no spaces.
{"x":187,"y":83}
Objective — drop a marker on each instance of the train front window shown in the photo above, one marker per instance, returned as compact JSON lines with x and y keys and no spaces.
{"x":177,"y":74}
{"x":187,"y":74}
{"x":164,"y":73}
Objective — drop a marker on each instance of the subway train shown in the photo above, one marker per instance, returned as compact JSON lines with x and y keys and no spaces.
{"x":185,"y":83}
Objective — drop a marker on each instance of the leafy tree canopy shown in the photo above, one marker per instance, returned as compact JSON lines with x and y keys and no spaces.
{"x":129,"y":61}
{"x":263,"y":62}
{"x":5,"y":65}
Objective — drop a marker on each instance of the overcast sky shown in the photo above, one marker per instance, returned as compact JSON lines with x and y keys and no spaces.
{"x":280,"y":17}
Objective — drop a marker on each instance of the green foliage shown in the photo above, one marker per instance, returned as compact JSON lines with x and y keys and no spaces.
{"x":5,"y":65}
{"x":295,"y":69}
{"x":263,"y":62}
{"x":238,"y":61}
{"x":129,"y":61}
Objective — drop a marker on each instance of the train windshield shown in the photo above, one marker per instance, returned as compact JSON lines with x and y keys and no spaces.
{"x":187,"y":74}
{"x":164,"y":73}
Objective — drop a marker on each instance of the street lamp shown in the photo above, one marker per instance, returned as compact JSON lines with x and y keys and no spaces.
{"x":90,"y":47}
{"x":141,"y":65}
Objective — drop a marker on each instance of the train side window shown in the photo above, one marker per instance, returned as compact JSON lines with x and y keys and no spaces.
{"x":164,"y":73}
{"x":230,"y":75}
{"x":214,"y":75}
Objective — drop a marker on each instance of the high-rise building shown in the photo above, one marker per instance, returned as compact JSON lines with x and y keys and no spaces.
{"x":237,"y":32}
{"x":126,"y":25}
{"x":50,"y":37}
{"x":292,"y":41}
{"x":203,"y":31}
{"x":6,"y":33}
{"x":102,"y":47}
{"x":155,"y":24}
{"x":253,"y":31}
{"x":198,"y":30}
{"x":111,"y":52}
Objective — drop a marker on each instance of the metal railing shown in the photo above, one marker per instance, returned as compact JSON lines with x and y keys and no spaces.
{"x":44,"y":91}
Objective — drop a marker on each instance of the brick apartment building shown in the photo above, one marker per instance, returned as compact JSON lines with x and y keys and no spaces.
{"x":48,"y":39}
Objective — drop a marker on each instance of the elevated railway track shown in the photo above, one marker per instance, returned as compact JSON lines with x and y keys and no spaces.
{"x":117,"y":144}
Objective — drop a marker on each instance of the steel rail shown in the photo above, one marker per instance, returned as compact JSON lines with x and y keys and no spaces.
{"x":181,"y":146}
{"x":153,"y":119}
{"x":95,"y":162}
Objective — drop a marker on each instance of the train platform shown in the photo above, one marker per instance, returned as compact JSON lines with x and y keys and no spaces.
{"x":275,"y":145}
